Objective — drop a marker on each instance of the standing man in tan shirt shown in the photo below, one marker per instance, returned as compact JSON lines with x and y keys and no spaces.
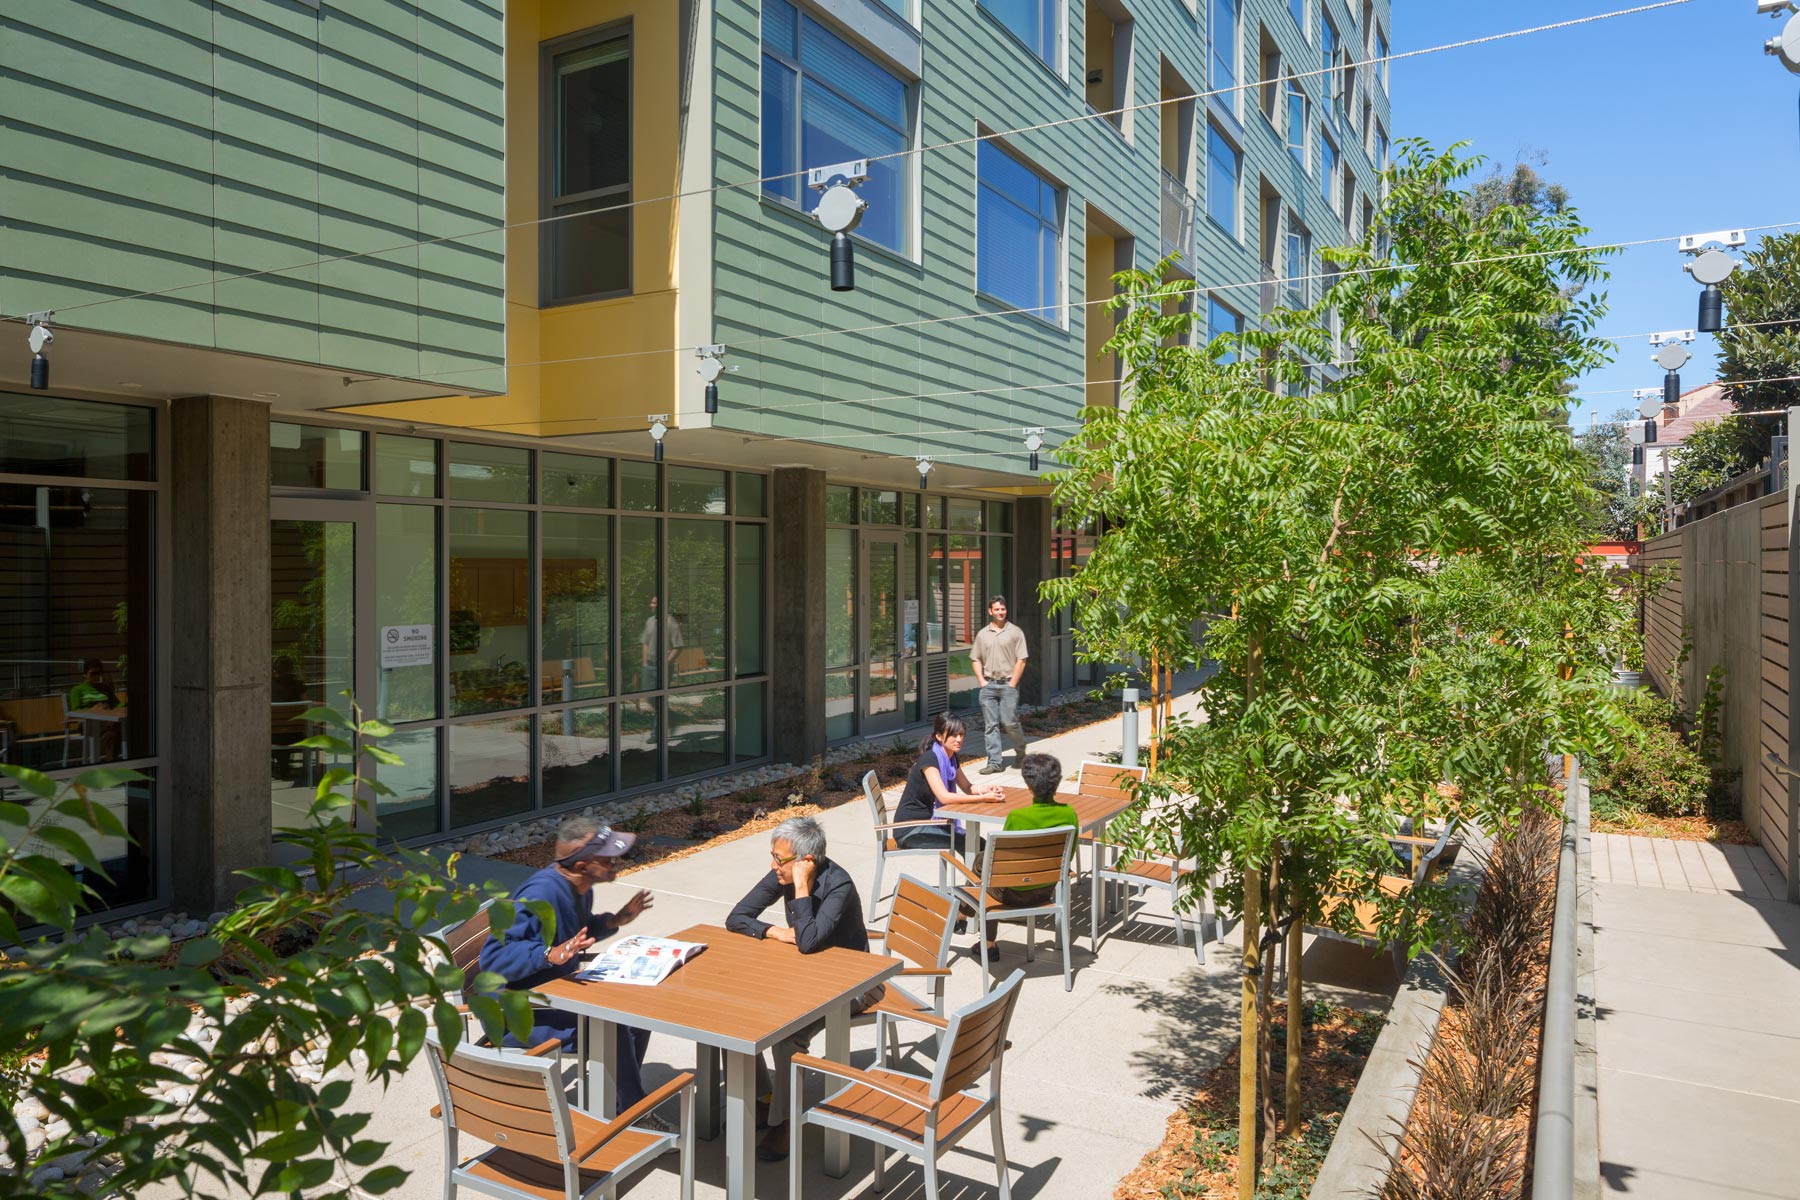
{"x":999,"y":660}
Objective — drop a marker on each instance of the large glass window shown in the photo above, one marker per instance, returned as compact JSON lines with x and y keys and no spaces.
{"x":1328,"y":52}
{"x":577,"y":755}
{"x":640,"y":742}
{"x":406,"y":588}
{"x":405,"y":466}
{"x":1223,"y":166}
{"x":412,"y":810}
{"x":747,"y":600}
{"x":1033,"y":22}
{"x":490,"y":769}
{"x":1225,"y":47}
{"x":589,"y":126}
{"x":1220,"y":321}
{"x":646,"y":636}
{"x":826,"y":102}
{"x":1297,"y":120}
{"x":840,"y":597}
{"x":42,"y":435}
{"x":1299,"y":263}
{"x":637,"y":486}
{"x":494,"y":474}
{"x":697,"y":732}
{"x":1381,"y":54}
{"x":1018,"y":233}
{"x":1328,"y":158}
{"x":696,"y":609}
{"x":576,"y":617}
{"x":576,"y":480}
{"x":1298,"y":9}
{"x":311,"y":456}
{"x":696,"y":490}
{"x":489,"y":616}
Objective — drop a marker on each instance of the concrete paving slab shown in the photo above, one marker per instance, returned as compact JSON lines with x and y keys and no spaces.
{"x":1692,"y":1133}
{"x":1746,"y":870}
{"x":1694,"y":867}
{"x":1710,"y":1055}
{"x":1668,"y":864}
{"x":1712,"y":916}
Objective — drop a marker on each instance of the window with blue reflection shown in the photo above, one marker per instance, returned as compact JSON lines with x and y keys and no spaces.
{"x":1224,"y":45}
{"x":1328,"y":157}
{"x":1032,"y":22}
{"x":1296,"y":124}
{"x":1018,"y":233}
{"x":1221,"y":320}
{"x":1298,"y":9}
{"x":826,"y":102}
{"x":1222,"y":168}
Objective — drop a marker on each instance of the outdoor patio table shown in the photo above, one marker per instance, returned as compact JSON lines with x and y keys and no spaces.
{"x":739,"y":997}
{"x":1091,"y":813}
{"x":87,"y":716}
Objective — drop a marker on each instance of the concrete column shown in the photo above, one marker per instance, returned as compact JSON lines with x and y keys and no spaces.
{"x":1032,"y":517}
{"x":217,"y":737}
{"x":797,"y":572}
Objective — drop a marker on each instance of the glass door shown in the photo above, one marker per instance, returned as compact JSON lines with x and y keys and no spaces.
{"x":318,"y":552}
{"x":883,"y":610}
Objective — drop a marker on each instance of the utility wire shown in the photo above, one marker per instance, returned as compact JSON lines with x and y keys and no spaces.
{"x":1090,"y":115}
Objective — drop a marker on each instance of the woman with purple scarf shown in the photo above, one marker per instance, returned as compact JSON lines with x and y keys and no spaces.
{"x":935,"y":780}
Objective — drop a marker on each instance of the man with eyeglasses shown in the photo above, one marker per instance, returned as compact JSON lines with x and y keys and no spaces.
{"x":587,"y":853}
{"x":823,"y":910}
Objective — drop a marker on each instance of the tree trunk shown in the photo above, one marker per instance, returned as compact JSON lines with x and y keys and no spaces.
{"x":1252,"y":926}
{"x":1291,"y":1077}
{"x":1265,"y":1002}
{"x":1155,"y":714}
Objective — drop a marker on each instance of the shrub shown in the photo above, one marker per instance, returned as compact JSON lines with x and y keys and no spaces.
{"x":1655,"y":771}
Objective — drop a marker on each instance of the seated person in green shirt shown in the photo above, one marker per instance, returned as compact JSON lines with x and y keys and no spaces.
{"x":1046,"y":811}
{"x":93,"y":689}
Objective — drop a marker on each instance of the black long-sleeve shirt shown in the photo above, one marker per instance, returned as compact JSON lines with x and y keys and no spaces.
{"x":831,"y":916}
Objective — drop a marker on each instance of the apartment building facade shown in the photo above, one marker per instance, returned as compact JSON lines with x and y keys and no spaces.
{"x":456,"y":261}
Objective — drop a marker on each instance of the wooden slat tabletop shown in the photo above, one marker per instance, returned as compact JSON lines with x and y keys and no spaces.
{"x":1091,"y":811}
{"x":740,"y":993}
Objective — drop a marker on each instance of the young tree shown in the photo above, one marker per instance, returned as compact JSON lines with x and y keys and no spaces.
{"x":1762,"y":340}
{"x":1715,"y":452}
{"x":223,"y":1065}
{"x":1348,"y":549}
{"x":1608,"y":449}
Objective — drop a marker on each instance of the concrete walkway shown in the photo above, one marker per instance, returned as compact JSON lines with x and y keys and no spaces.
{"x":1696,"y":983}
{"x":1090,"y":1079}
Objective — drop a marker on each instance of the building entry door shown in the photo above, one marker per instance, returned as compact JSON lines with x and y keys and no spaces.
{"x":321,"y":568}
{"x":882,"y":600}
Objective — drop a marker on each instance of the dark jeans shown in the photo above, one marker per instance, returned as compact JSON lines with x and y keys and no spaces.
{"x":926,"y":837}
{"x":629,"y":1055}
{"x":1000,"y":716}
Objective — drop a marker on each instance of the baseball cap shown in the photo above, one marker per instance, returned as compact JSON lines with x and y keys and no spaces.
{"x":606,"y":843}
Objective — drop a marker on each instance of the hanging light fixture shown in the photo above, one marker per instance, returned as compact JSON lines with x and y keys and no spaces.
{"x":1671,"y":356}
{"x":659,"y":429}
{"x":40,"y":337}
{"x":840,"y":210}
{"x":924,"y":471}
{"x":1034,"y":441}
{"x":1710,"y":268}
{"x":1650,"y":431}
{"x":710,"y":369}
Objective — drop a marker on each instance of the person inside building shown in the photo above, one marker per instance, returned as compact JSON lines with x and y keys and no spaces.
{"x":654,"y":667}
{"x":937,"y":779}
{"x":1043,"y":775}
{"x":94,"y":690}
{"x":823,"y":910}
{"x":999,"y":657}
{"x":587,"y":853}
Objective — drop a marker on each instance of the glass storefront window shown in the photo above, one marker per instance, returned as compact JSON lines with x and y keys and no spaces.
{"x":695,"y":630}
{"x":577,"y":754}
{"x":42,"y":435}
{"x":840,"y":505}
{"x":129,"y":862}
{"x":405,"y":466}
{"x":881,"y":508}
{"x":575,"y":480}
{"x":752,"y":495}
{"x":406,"y":586}
{"x":999,"y":517}
{"x":840,"y":597}
{"x":747,"y":600}
{"x":910,"y":611}
{"x":697,"y":732}
{"x":967,"y":606}
{"x":640,"y":742}
{"x":965,"y":514}
{"x":77,"y":576}
{"x":488,"y":617}
{"x":312,"y":572}
{"x":412,"y":811}
{"x":936,"y":602}
{"x":576,"y":621}
{"x":637,"y":485}
{"x":312,"y":456}
{"x":749,"y":720}
{"x":490,"y":769}
{"x":999,"y":577}
{"x":963,"y":692}
{"x":840,"y":705}
{"x":696,"y":490}
{"x":497,"y":474}
{"x":909,"y":509}
{"x":936,"y":511}
{"x":646,"y":641}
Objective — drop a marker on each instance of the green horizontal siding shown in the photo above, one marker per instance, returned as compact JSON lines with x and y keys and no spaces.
{"x":770,"y":269}
{"x":150,"y":145}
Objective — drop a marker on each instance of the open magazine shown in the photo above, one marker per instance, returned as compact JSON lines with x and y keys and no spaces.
{"x":638,"y":959}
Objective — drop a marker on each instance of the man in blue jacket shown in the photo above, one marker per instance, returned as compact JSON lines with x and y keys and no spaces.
{"x":587,"y":853}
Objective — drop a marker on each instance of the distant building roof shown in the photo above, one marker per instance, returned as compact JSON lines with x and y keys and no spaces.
{"x":1708,"y":402}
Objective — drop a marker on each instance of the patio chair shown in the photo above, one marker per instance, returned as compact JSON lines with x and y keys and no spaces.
{"x":1108,"y":781}
{"x":1022,"y":859}
{"x":920,"y":925}
{"x":542,"y":1146}
{"x":1141,"y":872}
{"x":920,"y":1116}
{"x":40,"y":721}
{"x":1430,"y":857}
{"x":886,"y":846}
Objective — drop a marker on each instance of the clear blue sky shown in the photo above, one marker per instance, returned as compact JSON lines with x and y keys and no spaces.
{"x":1662,"y":123}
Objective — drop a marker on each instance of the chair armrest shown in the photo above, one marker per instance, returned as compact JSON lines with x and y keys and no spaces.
{"x":868,"y":1079}
{"x":907,"y":824}
{"x":547,"y":1046}
{"x":940,"y":971}
{"x":960,"y":865}
{"x":1411,"y":841}
{"x":642,"y":1108}
{"x":874,"y":934}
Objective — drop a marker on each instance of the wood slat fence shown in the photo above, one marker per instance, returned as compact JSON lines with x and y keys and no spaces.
{"x":1727,"y":599}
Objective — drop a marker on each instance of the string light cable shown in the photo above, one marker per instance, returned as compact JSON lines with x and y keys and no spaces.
{"x":1089,"y":115}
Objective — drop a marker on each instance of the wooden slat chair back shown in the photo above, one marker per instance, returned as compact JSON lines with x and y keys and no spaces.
{"x":1430,"y":857}
{"x":464,"y":942}
{"x":923,"y":1117}
{"x":1108,"y":780}
{"x":40,"y":721}
{"x":921,"y":925}
{"x":1022,"y":859}
{"x":886,"y":845}
{"x":543,"y":1148}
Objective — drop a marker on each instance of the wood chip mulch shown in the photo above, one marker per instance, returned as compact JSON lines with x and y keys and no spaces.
{"x":1679,"y":829}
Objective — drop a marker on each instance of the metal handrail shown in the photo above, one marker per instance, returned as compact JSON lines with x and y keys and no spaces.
{"x":1553,"y":1164}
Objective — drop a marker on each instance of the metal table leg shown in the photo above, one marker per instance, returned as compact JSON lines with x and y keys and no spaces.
{"x":706,"y":1088}
{"x":602,"y":1068}
{"x":837,"y":1049}
{"x":740,"y":1126}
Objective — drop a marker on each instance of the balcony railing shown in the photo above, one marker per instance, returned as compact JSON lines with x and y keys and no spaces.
{"x":1177,"y":220}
